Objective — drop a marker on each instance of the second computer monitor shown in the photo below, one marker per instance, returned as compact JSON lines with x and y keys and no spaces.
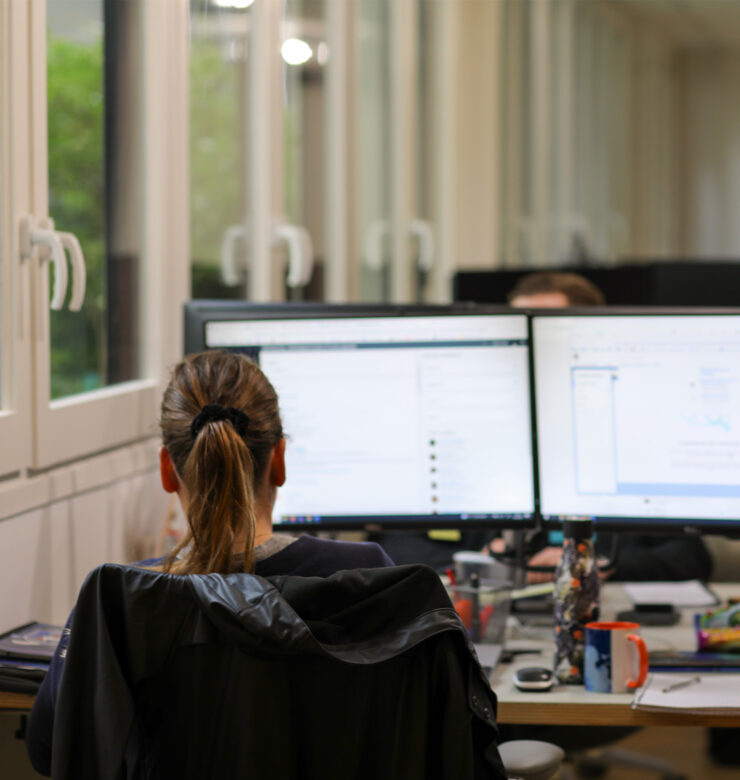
{"x":638,"y":417}
{"x":395,"y":417}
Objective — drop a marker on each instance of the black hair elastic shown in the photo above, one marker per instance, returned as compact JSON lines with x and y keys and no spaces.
{"x":215,"y":412}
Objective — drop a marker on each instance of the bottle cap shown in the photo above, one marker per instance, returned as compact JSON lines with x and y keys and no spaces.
{"x":578,"y":529}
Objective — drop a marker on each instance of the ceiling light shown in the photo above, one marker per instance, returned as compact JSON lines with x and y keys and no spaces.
{"x":295,"y":51}
{"x":241,"y":4}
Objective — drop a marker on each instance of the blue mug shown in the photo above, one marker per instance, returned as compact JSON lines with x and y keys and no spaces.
{"x":611,"y":664}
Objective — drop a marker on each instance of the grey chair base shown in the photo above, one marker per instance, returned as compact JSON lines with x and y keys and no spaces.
{"x":530,"y":759}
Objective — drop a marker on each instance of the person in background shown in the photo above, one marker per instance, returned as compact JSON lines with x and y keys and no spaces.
{"x":640,"y":556}
{"x":554,"y":290}
{"x":223,"y":454}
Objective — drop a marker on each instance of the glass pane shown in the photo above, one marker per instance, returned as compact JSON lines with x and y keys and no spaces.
{"x":219,"y":128}
{"x":304,"y":57}
{"x":93,"y":83}
{"x":5,"y":218}
{"x":423,"y":229}
{"x":373,"y":149}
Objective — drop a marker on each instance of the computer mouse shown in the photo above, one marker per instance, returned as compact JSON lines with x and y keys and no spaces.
{"x":534,"y":678}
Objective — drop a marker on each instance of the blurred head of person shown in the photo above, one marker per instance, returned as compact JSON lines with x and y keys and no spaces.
{"x":555,"y":290}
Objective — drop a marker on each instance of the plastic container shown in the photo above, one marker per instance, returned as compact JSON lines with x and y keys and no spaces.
{"x":482,"y":609}
{"x":487,"y":568}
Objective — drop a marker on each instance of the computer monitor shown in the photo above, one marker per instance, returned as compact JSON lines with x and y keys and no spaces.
{"x":405,"y":417}
{"x":638,"y":417}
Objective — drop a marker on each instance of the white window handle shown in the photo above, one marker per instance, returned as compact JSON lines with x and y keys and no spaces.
{"x":423,"y":231}
{"x":378,"y":232}
{"x":374,"y":241}
{"x":229,"y":274}
{"x":300,"y":252}
{"x":31,"y":236}
{"x":79,"y":270}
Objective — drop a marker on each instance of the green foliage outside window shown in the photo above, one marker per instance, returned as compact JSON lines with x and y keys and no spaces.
{"x":76,"y":110}
{"x":77,"y":202}
{"x":217,"y":128}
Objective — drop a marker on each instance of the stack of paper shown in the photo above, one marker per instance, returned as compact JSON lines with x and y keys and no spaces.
{"x":25,"y":653}
{"x":690,"y":593}
{"x":708,"y":694}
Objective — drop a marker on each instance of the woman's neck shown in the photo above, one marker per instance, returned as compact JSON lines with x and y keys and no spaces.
{"x":262,"y":532}
{"x":262,"y":536}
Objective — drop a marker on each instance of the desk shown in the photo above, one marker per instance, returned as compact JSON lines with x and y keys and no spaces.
{"x":21,"y":702}
{"x":573,"y":705}
{"x":565,"y":705}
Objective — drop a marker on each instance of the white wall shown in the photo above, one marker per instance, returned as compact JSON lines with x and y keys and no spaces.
{"x":110,"y":509}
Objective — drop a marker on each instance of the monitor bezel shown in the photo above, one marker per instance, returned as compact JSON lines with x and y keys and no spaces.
{"x":647,"y":524}
{"x":197,"y":313}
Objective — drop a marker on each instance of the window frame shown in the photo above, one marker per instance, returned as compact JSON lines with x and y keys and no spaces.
{"x":15,"y":405}
{"x":80,"y":425}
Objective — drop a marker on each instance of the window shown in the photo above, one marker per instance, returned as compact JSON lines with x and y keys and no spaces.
{"x":304,"y":121}
{"x":14,"y":319}
{"x":94,"y":86}
{"x":92,"y":122}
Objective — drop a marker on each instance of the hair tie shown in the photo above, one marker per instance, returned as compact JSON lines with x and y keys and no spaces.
{"x":215,"y":412}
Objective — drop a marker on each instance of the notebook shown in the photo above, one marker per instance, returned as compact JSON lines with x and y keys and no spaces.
{"x":691,"y":593}
{"x":707,"y":694}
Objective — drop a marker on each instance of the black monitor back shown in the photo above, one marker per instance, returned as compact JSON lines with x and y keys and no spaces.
{"x":643,"y":283}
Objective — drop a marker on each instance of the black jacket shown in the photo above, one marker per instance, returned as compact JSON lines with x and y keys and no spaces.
{"x":364,"y":674}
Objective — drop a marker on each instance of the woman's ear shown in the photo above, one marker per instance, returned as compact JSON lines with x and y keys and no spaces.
{"x":277,"y":464}
{"x":167,"y":473}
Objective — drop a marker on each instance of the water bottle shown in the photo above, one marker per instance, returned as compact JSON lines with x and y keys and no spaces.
{"x":576,"y":598}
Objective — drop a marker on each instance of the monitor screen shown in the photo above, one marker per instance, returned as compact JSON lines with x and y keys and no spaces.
{"x":395,"y":417}
{"x":638,"y":417}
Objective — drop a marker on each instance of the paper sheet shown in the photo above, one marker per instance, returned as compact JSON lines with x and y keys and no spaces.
{"x":704,"y":693}
{"x":691,"y":593}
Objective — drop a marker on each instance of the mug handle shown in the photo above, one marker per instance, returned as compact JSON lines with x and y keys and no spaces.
{"x":642,"y":651}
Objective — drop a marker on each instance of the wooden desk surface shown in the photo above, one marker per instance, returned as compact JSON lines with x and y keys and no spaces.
{"x":573,"y":705}
{"x":15,"y":701}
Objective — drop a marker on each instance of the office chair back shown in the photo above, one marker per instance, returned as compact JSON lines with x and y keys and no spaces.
{"x":366,"y":673}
